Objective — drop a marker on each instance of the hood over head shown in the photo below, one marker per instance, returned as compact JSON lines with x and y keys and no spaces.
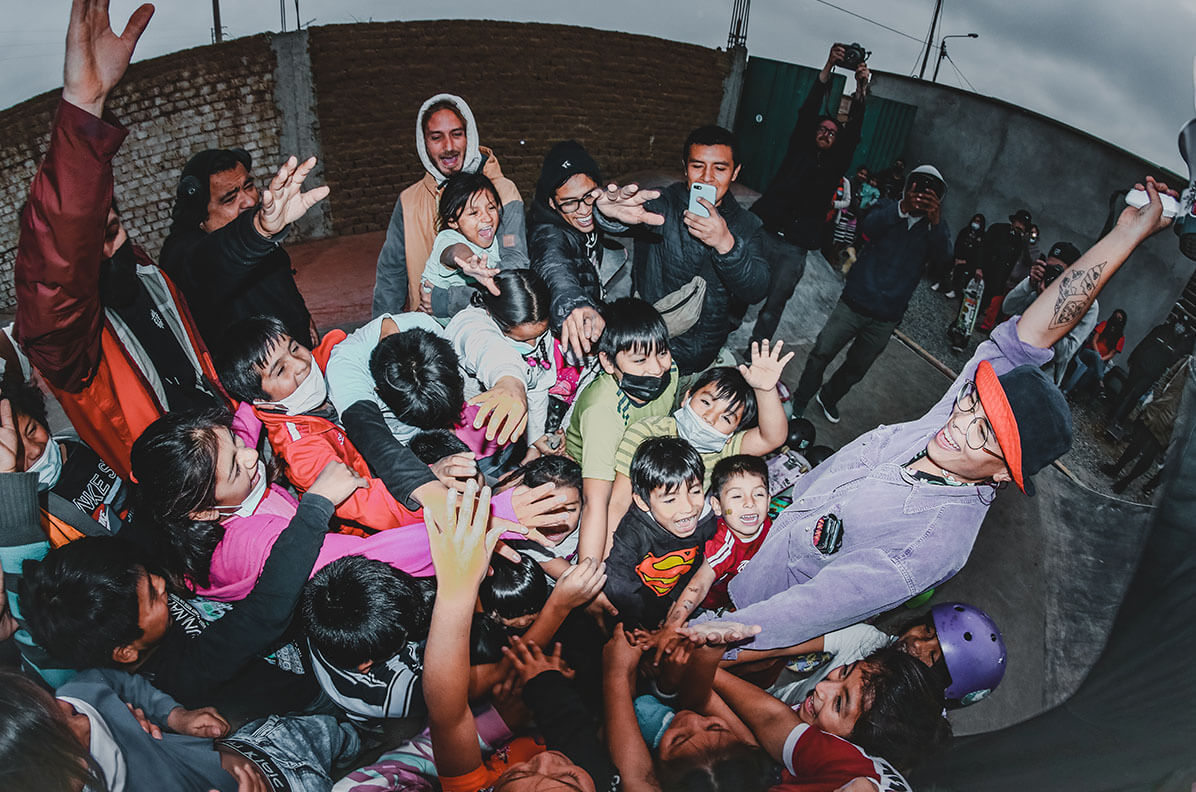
{"x":473,"y":156}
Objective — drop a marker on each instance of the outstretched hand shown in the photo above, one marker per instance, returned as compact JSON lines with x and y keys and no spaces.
{"x":462,"y":545}
{"x":767,"y":365}
{"x":1147,"y":220}
{"x":529,"y":661}
{"x":282,"y":201}
{"x":626,"y":204}
{"x":502,"y":410}
{"x":718,"y":632}
{"x":477,"y":267}
{"x":96,"y":58}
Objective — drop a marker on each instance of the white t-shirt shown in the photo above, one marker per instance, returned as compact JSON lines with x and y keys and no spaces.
{"x":348,"y":372}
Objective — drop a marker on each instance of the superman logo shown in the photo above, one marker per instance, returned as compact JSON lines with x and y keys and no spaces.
{"x":661,"y":573}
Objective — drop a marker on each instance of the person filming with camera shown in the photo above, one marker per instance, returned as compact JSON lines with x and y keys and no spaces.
{"x":795,"y":205}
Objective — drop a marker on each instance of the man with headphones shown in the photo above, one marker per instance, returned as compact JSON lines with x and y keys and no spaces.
{"x":224,"y":247}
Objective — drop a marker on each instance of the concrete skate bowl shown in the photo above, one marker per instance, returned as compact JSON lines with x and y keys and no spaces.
{"x":1131,"y":724}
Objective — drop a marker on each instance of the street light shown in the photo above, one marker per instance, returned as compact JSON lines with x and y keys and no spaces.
{"x":943,"y":51}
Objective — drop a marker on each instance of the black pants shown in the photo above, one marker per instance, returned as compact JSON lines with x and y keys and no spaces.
{"x":1143,"y":445}
{"x":787,"y":264}
{"x":868,"y":338}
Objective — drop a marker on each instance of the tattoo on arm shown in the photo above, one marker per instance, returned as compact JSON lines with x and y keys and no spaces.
{"x":684,"y":605}
{"x":1075,"y":293}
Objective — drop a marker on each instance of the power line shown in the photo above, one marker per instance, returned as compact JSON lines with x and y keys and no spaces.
{"x":950,"y":60}
{"x":871,"y":21}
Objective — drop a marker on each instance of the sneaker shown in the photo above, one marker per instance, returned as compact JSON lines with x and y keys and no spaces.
{"x":831,"y":412}
{"x":950,"y":294}
{"x":934,"y":287}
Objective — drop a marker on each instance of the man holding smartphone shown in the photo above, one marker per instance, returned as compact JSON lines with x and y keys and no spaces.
{"x":794,"y":206}
{"x":706,"y":261}
{"x":901,"y":237}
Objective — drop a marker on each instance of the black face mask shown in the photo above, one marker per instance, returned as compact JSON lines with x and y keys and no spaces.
{"x":644,"y":389}
{"x":118,"y":277}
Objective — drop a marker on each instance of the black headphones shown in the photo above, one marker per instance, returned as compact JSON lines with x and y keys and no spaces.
{"x":200,"y":166}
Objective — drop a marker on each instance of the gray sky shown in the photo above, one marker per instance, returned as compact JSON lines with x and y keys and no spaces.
{"x":1119,"y":70}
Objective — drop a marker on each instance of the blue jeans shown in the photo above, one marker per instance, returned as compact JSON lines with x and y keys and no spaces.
{"x":296,"y":752}
{"x":1088,"y":363}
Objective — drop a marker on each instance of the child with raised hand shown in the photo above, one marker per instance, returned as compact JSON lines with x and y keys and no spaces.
{"x":700,"y":746}
{"x":461,"y":552}
{"x":564,"y":474}
{"x":726,"y":411}
{"x":516,"y":318}
{"x":658,"y":546}
{"x":464,"y":252}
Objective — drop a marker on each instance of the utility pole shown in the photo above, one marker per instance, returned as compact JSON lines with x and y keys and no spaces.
{"x":934,"y":21}
{"x":217,"y":31}
{"x":282,"y":10}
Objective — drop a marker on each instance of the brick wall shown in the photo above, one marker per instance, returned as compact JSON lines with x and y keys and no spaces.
{"x":218,"y":96}
{"x":629,"y":99}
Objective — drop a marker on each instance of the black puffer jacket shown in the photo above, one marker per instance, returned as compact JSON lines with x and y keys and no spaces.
{"x":567,"y":261}
{"x":668,"y":256}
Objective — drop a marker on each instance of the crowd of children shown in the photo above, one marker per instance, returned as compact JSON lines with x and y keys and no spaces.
{"x":284,"y":560}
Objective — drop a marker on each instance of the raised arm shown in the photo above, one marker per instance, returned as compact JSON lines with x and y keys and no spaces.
{"x":1062,"y":304}
{"x":460,"y":552}
{"x":770,"y":719}
{"x":63,"y":227}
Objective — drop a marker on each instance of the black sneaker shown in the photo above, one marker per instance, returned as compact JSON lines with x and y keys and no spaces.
{"x":831,"y":412}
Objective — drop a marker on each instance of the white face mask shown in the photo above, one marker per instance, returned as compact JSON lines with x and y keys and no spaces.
{"x":702,"y":436}
{"x":310,"y":394}
{"x":250,"y":504}
{"x":48,"y":466}
{"x":536,"y":353}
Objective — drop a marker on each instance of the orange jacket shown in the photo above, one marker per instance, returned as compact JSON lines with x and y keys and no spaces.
{"x":96,"y":372}
{"x":306,"y":443}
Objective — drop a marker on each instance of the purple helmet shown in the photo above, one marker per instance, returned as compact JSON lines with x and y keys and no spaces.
{"x":973,"y":650}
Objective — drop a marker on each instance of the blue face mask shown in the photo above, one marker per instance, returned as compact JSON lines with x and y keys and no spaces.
{"x":702,"y":436}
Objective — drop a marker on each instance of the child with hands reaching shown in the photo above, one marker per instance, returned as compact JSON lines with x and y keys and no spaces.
{"x":460,"y":553}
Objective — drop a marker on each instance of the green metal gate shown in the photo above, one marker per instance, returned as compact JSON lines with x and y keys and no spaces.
{"x":772,"y":94}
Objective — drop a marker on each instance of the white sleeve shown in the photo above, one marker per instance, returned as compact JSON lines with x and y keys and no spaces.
{"x":482,"y":350}
{"x":854,"y":643}
{"x":348,"y":371}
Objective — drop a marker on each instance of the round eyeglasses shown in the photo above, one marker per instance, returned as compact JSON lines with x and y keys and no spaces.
{"x":980,"y":431}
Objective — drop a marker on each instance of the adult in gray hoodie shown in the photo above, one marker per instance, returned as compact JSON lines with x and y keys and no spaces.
{"x":446,"y":139}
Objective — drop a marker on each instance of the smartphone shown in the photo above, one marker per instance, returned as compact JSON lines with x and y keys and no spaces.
{"x":699,"y":190}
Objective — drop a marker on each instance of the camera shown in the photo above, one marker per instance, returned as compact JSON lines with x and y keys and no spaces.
{"x":1050,"y":273}
{"x":853,"y":55}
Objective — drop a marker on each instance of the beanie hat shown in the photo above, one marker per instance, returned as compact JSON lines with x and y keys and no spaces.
{"x":1028,"y":415}
{"x":564,"y":160}
{"x":1065,"y":252}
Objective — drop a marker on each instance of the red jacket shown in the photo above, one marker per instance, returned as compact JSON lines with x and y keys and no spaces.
{"x":101,"y":377}
{"x":306,"y":443}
